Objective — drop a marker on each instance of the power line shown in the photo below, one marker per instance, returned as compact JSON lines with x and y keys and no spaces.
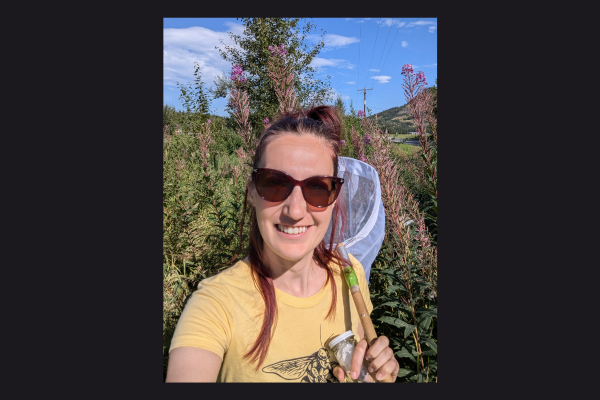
{"x":390,"y":50}
{"x":373,"y":53}
{"x":398,"y":30}
{"x":383,"y":51}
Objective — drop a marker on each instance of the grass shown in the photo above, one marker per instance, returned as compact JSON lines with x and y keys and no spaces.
{"x":407,"y":149}
{"x":405,"y":136}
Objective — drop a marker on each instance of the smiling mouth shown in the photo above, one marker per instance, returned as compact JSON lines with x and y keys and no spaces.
{"x":297,"y":230}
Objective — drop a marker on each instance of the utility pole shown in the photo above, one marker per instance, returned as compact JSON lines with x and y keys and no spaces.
{"x":365,"y":103}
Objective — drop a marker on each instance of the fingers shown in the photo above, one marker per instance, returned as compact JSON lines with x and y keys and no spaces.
{"x":391,"y":367}
{"x":357,"y":358}
{"x":381,"y":359}
{"x":380,"y":344}
{"x":338,"y":372}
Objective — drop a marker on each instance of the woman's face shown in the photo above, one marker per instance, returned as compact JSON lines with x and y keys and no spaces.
{"x":301,"y":158}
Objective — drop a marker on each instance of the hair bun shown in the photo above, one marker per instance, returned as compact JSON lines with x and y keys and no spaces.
{"x":328,"y":116}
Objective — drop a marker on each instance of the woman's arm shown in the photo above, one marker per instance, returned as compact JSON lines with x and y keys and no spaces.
{"x":192,"y":364}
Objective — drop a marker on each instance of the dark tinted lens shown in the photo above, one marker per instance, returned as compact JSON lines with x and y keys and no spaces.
{"x":273,"y":186}
{"x":319,"y":191}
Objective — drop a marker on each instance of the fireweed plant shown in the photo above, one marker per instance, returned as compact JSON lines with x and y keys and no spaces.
{"x":420,"y":105}
{"x":203,"y":192}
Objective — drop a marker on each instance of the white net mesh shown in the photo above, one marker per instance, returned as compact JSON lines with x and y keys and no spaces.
{"x":365,"y":217}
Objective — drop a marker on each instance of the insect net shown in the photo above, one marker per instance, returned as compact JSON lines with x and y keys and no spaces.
{"x":365,"y":218}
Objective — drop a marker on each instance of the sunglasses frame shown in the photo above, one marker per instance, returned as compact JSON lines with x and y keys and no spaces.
{"x":340,"y":182}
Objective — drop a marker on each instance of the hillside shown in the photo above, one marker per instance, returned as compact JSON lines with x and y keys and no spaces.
{"x":397,"y":120}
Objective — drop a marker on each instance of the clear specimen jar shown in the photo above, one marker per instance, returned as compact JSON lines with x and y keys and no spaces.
{"x":343,"y":348}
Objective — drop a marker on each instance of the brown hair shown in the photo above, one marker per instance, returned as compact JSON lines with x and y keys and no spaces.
{"x":323,"y":123}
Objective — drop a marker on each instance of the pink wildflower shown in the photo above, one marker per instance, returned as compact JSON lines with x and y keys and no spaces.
{"x":421,"y":78}
{"x":407,"y":68}
{"x":237,"y":73}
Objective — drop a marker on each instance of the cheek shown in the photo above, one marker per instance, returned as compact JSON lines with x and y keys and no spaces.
{"x":323,"y":219}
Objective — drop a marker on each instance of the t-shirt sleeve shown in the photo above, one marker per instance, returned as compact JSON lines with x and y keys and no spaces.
{"x":206,"y":321}
{"x":362,"y":282}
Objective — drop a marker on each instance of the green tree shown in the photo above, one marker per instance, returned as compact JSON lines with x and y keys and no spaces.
{"x":253,"y":55}
{"x":195,"y":101}
{"x":339,"y":103}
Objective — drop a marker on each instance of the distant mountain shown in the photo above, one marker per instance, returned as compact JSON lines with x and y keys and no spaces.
{"x":396,"y":120}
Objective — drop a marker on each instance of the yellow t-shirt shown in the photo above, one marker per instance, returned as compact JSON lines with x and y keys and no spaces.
{"x":225,"y":316}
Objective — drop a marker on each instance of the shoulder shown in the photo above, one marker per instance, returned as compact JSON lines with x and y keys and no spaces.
{"x":235,"y":278}
{"x":221,"y":291}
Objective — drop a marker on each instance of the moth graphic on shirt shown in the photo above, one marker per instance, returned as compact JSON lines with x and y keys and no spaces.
{"x":313,"y":368}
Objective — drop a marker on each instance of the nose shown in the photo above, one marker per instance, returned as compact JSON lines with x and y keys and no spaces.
{"x":295,"y":205}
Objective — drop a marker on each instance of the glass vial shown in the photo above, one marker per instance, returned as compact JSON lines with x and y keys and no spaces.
{"x":343,"y":348}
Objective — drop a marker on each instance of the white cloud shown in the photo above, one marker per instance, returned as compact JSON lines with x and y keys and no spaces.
{"x":318,"y":62}
{"x":234,"y":27}
{"x":333,"y":41}
{"x":351,"y":83}
{"x":420,"y":23}
{"x":432,"y":29}
{"x":183,"y":47}
{"x":434,"y":65}
{"x":404,"y":43}
{"x":386,"y":22}
{"x":348,"y":19}
{"x":374,"y":70}
{"x":382,"y":78}
{"x":391,"y":22}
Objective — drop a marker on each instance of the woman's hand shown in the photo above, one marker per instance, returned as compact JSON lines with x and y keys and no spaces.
{"x":380,"y":360}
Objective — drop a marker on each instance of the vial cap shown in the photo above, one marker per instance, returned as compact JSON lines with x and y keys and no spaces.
{"x":341,"y":337}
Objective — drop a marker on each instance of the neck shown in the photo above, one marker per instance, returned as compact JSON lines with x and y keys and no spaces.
{"x":300,"y":278}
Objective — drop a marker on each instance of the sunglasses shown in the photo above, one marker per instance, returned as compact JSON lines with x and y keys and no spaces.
{"x":318,"y":191}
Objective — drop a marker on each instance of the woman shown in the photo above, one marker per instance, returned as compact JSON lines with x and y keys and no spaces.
{"x":269,"y":317}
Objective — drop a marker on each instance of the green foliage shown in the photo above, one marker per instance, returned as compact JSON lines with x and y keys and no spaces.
{"x":429,"y":198}
{"x":193,"y":97}
{"x":203,"y":190}
{"x":253,"y":55}
{"x":404,"y":294}
{"x":405,"y":310}
{"x":339,"y":104}
{"x":195,"y":102}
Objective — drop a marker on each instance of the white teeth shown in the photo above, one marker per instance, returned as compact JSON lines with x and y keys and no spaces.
{"x":292,"y":231}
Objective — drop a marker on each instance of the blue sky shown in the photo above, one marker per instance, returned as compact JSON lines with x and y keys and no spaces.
{"x":358,"y":53}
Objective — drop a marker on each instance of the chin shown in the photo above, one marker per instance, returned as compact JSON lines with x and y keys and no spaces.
{"x":292,"y":253}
